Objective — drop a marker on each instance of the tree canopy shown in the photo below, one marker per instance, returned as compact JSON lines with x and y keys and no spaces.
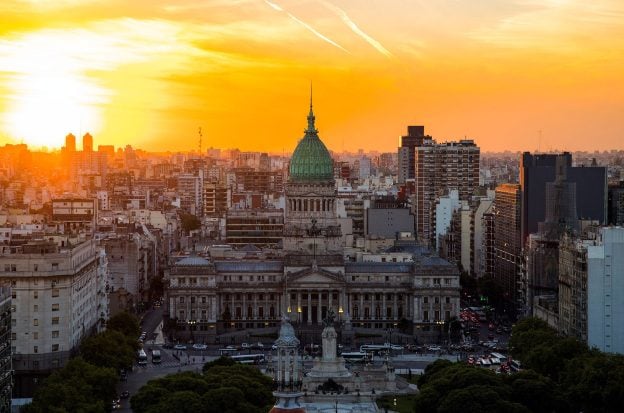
{"x":125,"y":323}
{"x":78,"y":387}
{"x":560,"y":374}
{"x":224,"y":387}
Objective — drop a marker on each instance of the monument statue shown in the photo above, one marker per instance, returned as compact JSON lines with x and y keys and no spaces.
{"x":329,"y":319}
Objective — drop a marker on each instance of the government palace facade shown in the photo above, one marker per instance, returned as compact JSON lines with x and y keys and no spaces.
{"x":208,"y":297}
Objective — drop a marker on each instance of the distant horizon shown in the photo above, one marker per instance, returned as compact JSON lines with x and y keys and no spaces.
{"x":43,"y":149}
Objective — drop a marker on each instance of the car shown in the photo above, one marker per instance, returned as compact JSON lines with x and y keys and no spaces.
{"x":258,"y":346}
{"x":274,"y":347}
{"x":434,"y":348}
{"x":245,"y":346}
{"x":179,"y":347}
{"x":124,"y":394}
{"x":199,"y":346}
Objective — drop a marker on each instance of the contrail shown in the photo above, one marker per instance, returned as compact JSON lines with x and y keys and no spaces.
{"x":351,"y":24}
{"x":307,"y":26}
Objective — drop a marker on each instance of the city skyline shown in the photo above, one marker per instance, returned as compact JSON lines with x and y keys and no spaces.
{"x":519,"y":75}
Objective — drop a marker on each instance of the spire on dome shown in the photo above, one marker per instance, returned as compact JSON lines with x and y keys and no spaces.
{"x":311,"y":131}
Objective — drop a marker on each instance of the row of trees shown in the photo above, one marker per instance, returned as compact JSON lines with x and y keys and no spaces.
{"x":88,"y":382}
{"x":560,"y":375}
{"x":224,"y":387}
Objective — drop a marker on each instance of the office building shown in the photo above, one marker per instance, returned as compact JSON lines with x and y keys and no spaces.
{"x":508,"y":244}
{"x":605,"y":291}
{"x":616,"y":204}
{"x":536,"y":170}
{"x":406,"y":152}
{"x":441,"y":168}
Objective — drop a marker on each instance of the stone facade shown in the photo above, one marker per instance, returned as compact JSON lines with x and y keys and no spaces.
{"x":58,"y":298}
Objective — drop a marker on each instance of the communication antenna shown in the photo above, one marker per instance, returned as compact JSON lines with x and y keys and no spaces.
{"x":199,"y":132}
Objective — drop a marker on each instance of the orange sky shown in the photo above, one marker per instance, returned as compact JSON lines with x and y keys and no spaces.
{"x":150,"y":72}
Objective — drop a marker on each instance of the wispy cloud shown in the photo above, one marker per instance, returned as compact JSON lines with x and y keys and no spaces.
{"x":306,"y":25}
{"x":355,"y":28}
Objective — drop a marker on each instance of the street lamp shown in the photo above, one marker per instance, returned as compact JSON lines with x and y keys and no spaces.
{"x":340,"y":312}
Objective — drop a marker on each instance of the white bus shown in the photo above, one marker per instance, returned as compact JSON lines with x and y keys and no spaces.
{"x":249,"y":358}
{"x":354,"y":357}
{"x":379,"y":348}
{"x":228,"y":351}
{"x":156,"y":356}
{"x":141,"y":357}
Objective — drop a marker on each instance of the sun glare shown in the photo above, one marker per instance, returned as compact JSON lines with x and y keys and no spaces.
{"x":48,"y":93}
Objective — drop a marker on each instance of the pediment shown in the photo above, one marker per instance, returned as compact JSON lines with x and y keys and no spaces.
{"x":315,"y":276}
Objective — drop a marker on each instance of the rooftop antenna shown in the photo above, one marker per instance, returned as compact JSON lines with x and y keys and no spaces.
{"x":200,"y":141}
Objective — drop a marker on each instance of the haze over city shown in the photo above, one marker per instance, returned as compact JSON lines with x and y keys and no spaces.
{"x":515,"y":75}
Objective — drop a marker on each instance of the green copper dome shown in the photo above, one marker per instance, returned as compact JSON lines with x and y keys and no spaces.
{"x":311,"y":160}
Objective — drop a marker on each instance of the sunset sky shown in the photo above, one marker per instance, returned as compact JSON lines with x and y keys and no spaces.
{"x":149,"y":72}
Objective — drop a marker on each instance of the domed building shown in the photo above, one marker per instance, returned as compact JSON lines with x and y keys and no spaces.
{"x":310,"y":224}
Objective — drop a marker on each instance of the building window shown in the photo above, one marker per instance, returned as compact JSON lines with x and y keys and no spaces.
{"x":13,"y":336}
{"x":13,"y":294}
{"x":54,"y":266}
{"x":36,"y":267}
{"x":55,"y":334}
{"x":35,"y":294}
{"x":35,"y":322}
{"x":426,"y":300}
{"x":181,"y":281}
{"x":448,"y":300}
{"x":35,"y":308}
{"x":35,"y":335}
{"x":426,"y":315}
{"x":192,"y":300}
{"x":181,"y":300}
{"x":203,"y":300}
{"x":55,"y":320}
{"x":55,"y":307}
{"x":36,"y":350}
{"x":55,"y":292}
{"x":55,"y":347}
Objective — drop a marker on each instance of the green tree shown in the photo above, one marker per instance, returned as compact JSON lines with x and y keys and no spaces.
{"x":528,"y":334}
{"x":109,"y":349}
{"x":478,"y":399}
{"x":126,"y":324}
{"x":221,"y":361}
{"x":222,"y":388}
{"x":78,"y":387}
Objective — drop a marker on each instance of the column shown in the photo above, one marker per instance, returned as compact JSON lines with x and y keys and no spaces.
{"x":309,"y":318}
{"x":416,"y":306}
{"x":330,"y":294}
{"x":319,"y":312}
{"x":383,"y":309}
{"x":361,"y":315}
{"x":395,"y":310}
{"x":244,"y":307}
{"x":255,"y":307}
{"x":298,"y":307}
